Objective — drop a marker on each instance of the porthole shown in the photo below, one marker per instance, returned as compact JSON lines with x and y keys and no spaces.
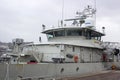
{"x":62,"y":70}
{"x":77,"y":69}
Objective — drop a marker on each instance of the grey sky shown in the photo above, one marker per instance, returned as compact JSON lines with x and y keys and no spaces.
{"x":23,"y":18}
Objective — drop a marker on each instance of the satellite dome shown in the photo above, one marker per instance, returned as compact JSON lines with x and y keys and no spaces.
{"x":89,"y":23}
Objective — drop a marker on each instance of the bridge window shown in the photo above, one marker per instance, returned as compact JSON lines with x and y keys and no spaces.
{"x":50,"y":35}
{"x":74,"y":33}
{"x":92,"y":35}
{"x":59,"y":33}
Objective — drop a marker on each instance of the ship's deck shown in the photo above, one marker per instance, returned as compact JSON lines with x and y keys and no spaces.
{"x":105,"y":75}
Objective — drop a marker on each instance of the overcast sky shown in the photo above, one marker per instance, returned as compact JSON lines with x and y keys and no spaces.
{"x":23,"y":18}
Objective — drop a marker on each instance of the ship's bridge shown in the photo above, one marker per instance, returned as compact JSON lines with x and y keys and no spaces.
{"x":78,"y":32}
{"x":73,"y":32}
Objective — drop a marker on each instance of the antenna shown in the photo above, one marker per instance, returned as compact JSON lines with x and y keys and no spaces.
{"x":62,"y":22}
{"x":95,"y":14}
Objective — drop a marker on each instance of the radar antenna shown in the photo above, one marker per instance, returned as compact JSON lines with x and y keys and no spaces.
{"x":81,"y":16}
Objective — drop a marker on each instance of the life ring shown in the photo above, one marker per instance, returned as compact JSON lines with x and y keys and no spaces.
{"x":76,"y":59}
{"x":113,"y":67}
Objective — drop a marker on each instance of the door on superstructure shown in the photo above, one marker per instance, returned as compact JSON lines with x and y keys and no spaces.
{"x":85,"y":54}
{"x":81,"y":55}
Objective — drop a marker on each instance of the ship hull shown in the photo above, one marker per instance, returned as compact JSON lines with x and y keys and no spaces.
{"x":48,"y":70}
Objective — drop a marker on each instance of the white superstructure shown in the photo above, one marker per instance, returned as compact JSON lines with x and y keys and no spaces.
{"x":79,"y":39}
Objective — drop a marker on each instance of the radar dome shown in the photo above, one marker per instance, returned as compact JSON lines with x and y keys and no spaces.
{"x":89,"y":23}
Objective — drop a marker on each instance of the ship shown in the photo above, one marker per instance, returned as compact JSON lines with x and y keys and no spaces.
{"x":71,"y":50}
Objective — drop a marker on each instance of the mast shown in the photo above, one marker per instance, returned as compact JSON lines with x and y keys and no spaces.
{"x":62,"y":22}
{"x":95,"y":14}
